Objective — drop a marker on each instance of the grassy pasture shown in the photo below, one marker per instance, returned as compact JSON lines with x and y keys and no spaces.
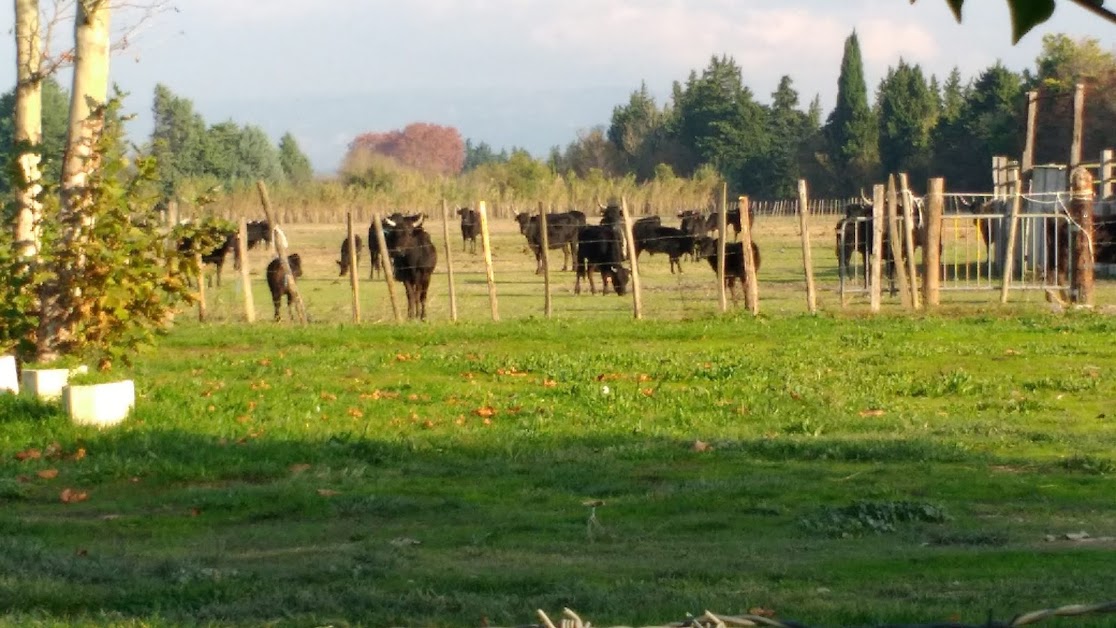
{"x":836,"y":469}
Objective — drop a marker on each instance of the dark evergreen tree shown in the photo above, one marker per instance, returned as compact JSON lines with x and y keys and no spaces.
{"x":907,"y":115}
{"x":177,"y":140}
{"x":851,"y":131}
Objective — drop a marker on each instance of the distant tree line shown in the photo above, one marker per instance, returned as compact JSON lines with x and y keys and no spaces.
{"x":711,"y":127}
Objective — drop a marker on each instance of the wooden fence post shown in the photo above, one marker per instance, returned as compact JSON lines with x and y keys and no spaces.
{"x":280,"y":242}
{"x":637,"y":296}
{"x":449,"y":261}
{"x":1081,"y":213}
{"x":1078,"y":125}
{"x":385,"y":265}
{"x":877,"y":248}
{"x":751,"y":281}
{"x":895,"y":240}
{"x":245,"y":282}
{"x":909,"y":239}
{"x":1028,"y":163}
{"x":1013,"y":228}
{"x":932,"y":246}
{"x":807,"y":256}
{"x":722,"y":227}
{"x":1106,"y":182}
{"x":353,"y":284}
{"x":486,"y":246}
{"x":545,"y":242}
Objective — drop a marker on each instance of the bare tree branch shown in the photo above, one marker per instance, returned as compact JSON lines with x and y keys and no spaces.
{"x":139,"y":14}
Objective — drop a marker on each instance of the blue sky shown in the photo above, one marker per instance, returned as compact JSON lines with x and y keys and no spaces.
{"x":527,"y":73}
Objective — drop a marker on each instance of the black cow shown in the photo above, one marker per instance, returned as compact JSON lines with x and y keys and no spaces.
{"x":561,"y":233}
{"x":598,"y":250}
{"x":258,"y":231}
{"x":217,"y":255}
{"x":413,"y":259}
{"x":708,"y":248}
{"x":343,"y":263}
{"x":373,"y":245}
{"x":670,"y":240}
{"x":278,"y":283}
{"x":470,"y":228}
{"x":732,"y":219}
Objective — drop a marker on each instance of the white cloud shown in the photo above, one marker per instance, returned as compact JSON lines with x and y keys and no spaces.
{"x":884,"y":41}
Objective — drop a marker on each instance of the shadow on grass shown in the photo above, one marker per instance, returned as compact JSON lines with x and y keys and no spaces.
{"x":17,"y":408}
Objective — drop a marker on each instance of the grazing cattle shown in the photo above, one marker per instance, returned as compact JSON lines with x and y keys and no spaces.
{"x":561,"y":233}
{"x":598,"y":250}
{"x":258,"y":231}
{"x":374,"y":246}
{"x":217,"y":255}
{"x":279,"y":284}
{"x":470,"y":228}
{"x":343,"y":263}
{"x":670,"y":240}
{"x":707,"y":248}
{"x":413,"y":258}
{"x":732,"y":219}
{"x":855,"y":233}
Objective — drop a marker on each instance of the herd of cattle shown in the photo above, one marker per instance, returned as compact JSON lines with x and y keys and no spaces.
{"x":601,"y":249}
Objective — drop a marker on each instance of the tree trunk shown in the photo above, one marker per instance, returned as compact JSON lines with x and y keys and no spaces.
{"x":89,"y":91}
{"x":28,"y":132}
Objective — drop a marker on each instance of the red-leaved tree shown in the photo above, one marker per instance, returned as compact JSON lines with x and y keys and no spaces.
{"x":429,"y":148}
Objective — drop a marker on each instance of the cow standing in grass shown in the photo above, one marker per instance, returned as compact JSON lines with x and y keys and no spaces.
{"x":217,"y":255}
{"x":599,"y":250}
{"x":470,"y":229}
{"x":413,"y":258}
{"x":708,"y":248}
{"x":343,"y":263}
{"x":279,"y":284}
{"x":561,"y":233}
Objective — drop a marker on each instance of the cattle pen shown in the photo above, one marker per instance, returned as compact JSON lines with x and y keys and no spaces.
{"x":501,"y":278}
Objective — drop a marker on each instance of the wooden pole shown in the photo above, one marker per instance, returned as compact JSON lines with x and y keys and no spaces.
{"x":637,"y":296}
{"x":1029,"y":147}
{"x":807,"y":256}
{"x":932,"y":253}
{"x":1106,"y":182}
{"x":385,"y":265}
{"x":751,"y":282}
{"x":1013,"y":228}
{"x":245,"y":283}
{"x":486,"y":246}
{"x":201,"y":287}
{"x":544,"y":237}
{"x":1078,"y":125}
{"x":877,"y":247}
{"x":354,"y":286}
{"x":1081,"y":213}
{"x":895,"y":240}
{"x":280,"y":242}
{"x":449,"y":260}
{"x":909,"y":239}
{"x":722,"y":227}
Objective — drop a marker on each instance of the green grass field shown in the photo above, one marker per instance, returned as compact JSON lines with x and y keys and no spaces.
{"x":838,"y":469}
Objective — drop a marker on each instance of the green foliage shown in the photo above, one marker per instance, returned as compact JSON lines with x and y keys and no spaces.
{"x":178,"y":139}
{"x":477,"y":155}
{"x":1025,"y":14}
{"x":55,"y":113}
{"x":851,"y":130}
{"x":295,"y":164}
{"x":118,"y":277}
{"x":908,"y":113}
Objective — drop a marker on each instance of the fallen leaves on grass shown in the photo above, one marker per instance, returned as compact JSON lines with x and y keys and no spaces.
{"x":485,"y":412}
{"x":511,"y":372}
{"x":328,"y":396}
{"x":356,"y":413}
{"x":29,"y":454}
{"x":299,"y":468}
{"x":48,"y":474}
{"x":328,"y":492}
{"x":760,"y":611}
{"x":872,"y":412}
{"x":549,"y":383}
{"x":71,"y":496}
